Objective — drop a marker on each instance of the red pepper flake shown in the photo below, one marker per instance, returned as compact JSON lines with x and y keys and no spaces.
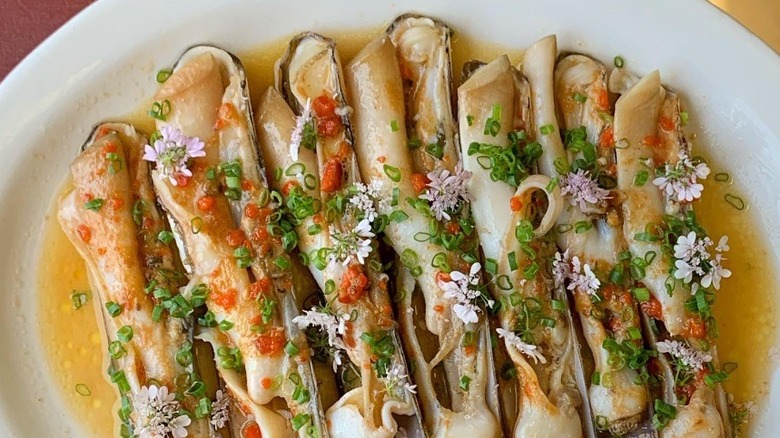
{"x":116,"y":203}
{"x":182,"y":180}
{"x":695,"y":328}
{"x":353,"y":285}
{"x":288,"y":186}
{"x":109,"y":147}
{"x":329,"y":126}
{"x":607,"y":137}
{"x":247,"y":185}
{"x":381,"y":159}
{"x":603,"y":99}
{"x":266,"y":382}
{"x":419,"y":182}
{"x":226,"y":299}
{"x":652,"y":141}
{"x":666,"y":123}
{"x":85,"y":234}
{"x":102,"y":132}
{"x":235,"y":238}
{"x":271,"y":341}
{"x":438,"y":308}
{"x":324,"y":106}
{"x":652,"y":308}
{"x":516,"y":203}
{"x":206,"y":203}
{"x":252,"y":430}
{"x":332,"y":175}
{"x":260,"y":287}
{"x":252,"y":211}
{"x":453,"y":227}
{"x":101,"y":251}
{"x":227,"y":115}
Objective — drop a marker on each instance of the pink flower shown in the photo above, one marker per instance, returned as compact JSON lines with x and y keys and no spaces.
{"x":172,"y":152}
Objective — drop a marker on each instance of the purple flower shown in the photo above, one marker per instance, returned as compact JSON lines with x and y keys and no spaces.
{"x":584,"y":192}
{"x":172,"y":151}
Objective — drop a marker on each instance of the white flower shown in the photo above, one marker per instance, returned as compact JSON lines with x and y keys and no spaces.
{"x":335,"y":326}
{"x":462,"y":289}
{"x":693,"y":259}
{"x":583,"y":191}
{"x":446,"y":191}
{"x":529,"y":350}
{"x":158,"y":413}
{"x":220,"y":410}
{"x":583,"y":278}
{"x":561,"y":269}
{"x":353,"y":244}
{"x":172,"y":151}
{"x":396,"y":379}
{"x":368,"y":199}
{"x":297,"y":134}
{"x":691,"y":358}
{"x":680,"y":182}
{"x":717,"y":272}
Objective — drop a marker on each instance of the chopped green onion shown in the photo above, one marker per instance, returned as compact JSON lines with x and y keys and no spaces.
{"x":300,"y":420}
{"x":160,"y":110}
{"x":582,"y":226}
{"x":470,"y":120}
{"x":163,"y":75}
{"x":413,"y":144}
{"x":547,"y":129}
{"x":225,"y":325}
{"x":196,"y":224}
{"x":291,"y":349}
{"x":116,"y":350}
{"x":579,"y":97}
{"x":641,"y":178}
{"x":684,"y":118}
{"x":641,"y":293}
{"x":83,"y":390}
{"x":78,"y":299}
{"x":398,"y":216}
{"x":722,"y":177}
{"x":94,"y":205}
{"x":394,"y":126}
{"x":558,"y":305}
{"x":125,"y":334}
{"x":595,"y":379}
{"x":634,"y":333}
{"x":392,"y":172}
{"x":465,"y":381}
{"x":619,"y":62}
{"x":165,"y":237}
{"x":512,"y":259}
{"x":113,"y":309}
{"x":735,"y":201}
{"x":282,"y":262}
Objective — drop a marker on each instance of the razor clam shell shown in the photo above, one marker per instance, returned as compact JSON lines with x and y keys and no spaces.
{"x":285,"y":87}
{"x":231,"y":66}
{"x":181,"y":328}
{"x":438,"y":73}
{"x":584,"y":116}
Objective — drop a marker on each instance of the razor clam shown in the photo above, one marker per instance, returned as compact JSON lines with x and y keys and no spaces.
{"x":492,"y":103}
{"x":316,"y":166}
{"x":618,"y":395}
{"x":111,"y":218}
{"x":222,"y":211}
{"x":648,"y":120}
{"x":461,"y":401}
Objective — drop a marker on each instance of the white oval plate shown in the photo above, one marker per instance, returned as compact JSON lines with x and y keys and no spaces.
{"x":102,"y":63}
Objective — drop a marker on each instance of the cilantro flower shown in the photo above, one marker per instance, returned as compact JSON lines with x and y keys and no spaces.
{"x":446,"y":191}
{"x":355,"y":244}
{"x":462,"y":289}
{"x":368,"y":199}
{"x":159,"y":413}
{"x":334,"y":326}
{"x":694,"y":260}
{"x":172,"y":151}
{"x":583,"y":191}
{"x":680,"y":182}
{"x":397,"y":380}
{"x":529,"y":350}
{"x":220,"y":410}
{"x":689,"y":357}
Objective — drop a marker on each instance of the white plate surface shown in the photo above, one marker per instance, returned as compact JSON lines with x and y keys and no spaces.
{"x":102,"y":63}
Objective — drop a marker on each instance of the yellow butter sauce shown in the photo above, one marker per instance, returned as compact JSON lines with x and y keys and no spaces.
{"x":746,"y":308}
{"x":71,"y":337}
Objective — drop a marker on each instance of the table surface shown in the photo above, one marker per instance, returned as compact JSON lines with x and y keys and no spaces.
{"x":25,"y":23}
